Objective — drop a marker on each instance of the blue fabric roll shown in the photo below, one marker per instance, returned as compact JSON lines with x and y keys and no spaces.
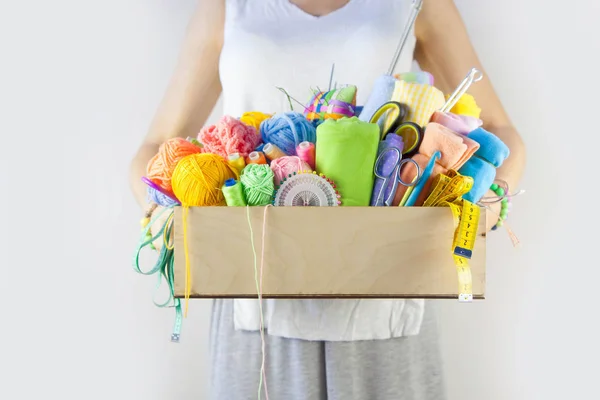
{"x":491,"y":148}
{"x":381,"y":94}
{"x":483,"y":173}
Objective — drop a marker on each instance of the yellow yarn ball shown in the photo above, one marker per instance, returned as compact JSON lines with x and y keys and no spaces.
{"x":254,"y":118}
{"x":198,"y":178}
{"x":466,"y":105}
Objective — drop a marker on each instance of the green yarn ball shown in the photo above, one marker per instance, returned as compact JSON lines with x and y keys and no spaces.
{"x":257,"y":180}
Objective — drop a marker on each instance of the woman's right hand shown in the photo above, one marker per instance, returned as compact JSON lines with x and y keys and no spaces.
{"x":192,"y":92}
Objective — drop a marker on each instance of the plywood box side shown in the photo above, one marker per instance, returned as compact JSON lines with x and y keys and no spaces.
{"x":370,"y":252}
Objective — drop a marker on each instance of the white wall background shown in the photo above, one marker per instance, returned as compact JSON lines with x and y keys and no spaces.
{"x":79,"y":83}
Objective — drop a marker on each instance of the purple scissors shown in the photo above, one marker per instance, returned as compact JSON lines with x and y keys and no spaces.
{"x":159,"y":189}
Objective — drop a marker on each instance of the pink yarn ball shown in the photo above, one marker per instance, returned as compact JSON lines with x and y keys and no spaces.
{"x":284,"y":166}
{"x":229,"y":136}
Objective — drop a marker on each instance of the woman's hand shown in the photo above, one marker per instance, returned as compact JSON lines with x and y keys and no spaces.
{"x":192,"y":93}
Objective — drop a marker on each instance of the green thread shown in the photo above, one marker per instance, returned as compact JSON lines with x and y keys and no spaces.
{"x":262,"y":368}
{"x":234,"y":193}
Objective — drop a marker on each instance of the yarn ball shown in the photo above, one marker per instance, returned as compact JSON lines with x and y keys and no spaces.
{"x":335,"y":104}
{"x":284,"y":166}
{"x":229,"y":136}
{"x":198,"y":178}
{"x":466,"y":105}
{"x":154,"y":196}
{"x":160,"y":168}
{"x":254,"y":118}
{"x":288,"y":130}
{"x":257,"y":180}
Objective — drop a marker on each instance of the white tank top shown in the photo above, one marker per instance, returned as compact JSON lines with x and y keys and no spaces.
{"x":273,"y":43}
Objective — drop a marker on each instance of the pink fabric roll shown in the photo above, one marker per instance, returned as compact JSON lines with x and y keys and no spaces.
{"x":456,"y":149}
{"x":461,"y":124}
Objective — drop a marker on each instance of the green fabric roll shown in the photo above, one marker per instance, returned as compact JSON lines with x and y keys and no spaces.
{"x":346,"y":152}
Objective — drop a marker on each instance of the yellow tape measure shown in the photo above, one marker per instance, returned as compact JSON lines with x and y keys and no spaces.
{"x":447,"y":192}
{"x":448,"y":187}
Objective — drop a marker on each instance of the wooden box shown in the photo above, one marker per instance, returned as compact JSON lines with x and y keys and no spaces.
{"x":324,"y":252}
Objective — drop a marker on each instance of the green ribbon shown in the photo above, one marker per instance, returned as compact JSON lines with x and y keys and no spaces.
{"x":164,"y":266}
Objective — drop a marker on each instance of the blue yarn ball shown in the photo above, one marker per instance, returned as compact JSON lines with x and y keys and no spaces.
{"x":157,"y":197}
{"x":288,"y":130}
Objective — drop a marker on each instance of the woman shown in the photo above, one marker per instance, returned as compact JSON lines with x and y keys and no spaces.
{"x":244,"y":51}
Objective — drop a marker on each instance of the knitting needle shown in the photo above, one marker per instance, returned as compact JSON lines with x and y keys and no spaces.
{"x":417,"y":5}
{"x":474,"y":75}
{"x":290,"y":98}
{"x":331,"y":76}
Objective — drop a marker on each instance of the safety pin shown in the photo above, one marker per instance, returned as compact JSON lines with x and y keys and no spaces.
{"x":474,"y":75}
{"x":417,"y":5}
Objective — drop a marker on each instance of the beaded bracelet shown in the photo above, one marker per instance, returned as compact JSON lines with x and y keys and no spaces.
{"x":505,"y":204}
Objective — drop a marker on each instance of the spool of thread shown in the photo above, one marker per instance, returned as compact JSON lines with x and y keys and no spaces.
{"x":288,"y":130}
{"x":306,"y":152}
{"x":160,"y":167}
{"x":272,"y":152}
{"x":198,"y":178}
{"x":154,"y":196}
{"x":256,"y":157}
{"x":236,"y":161}
{"x":257,"y":181}
{"x":287,"y":165}
{"x":254,"y":119}
{"x":229,"y":136}
{"x":234,"y":193}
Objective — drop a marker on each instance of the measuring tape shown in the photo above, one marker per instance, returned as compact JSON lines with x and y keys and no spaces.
{"x":448,"y":188}
{"x":164,"y":266}
{"x":447,"y":191}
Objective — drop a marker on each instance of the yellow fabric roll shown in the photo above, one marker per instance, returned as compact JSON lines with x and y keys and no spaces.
{"x":422,"y":100}
{"x":467,"y":106}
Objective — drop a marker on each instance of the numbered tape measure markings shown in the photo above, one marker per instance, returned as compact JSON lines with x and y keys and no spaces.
{"x":448,"y":187}
{"x":439,"y":184}
{"x":464,"y":213}
{"x":457,"y":187}
{"x":467,"y":230}
{"x":465,"y":240}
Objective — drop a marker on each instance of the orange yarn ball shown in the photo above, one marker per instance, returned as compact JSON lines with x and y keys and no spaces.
{"x":160,"y":168}
{"x":198,"y":179}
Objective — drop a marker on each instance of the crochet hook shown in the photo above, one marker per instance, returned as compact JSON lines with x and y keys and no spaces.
{"x":474,"y":75}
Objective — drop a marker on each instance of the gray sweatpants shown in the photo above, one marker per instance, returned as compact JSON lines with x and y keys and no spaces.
{"x":407,"y":368}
